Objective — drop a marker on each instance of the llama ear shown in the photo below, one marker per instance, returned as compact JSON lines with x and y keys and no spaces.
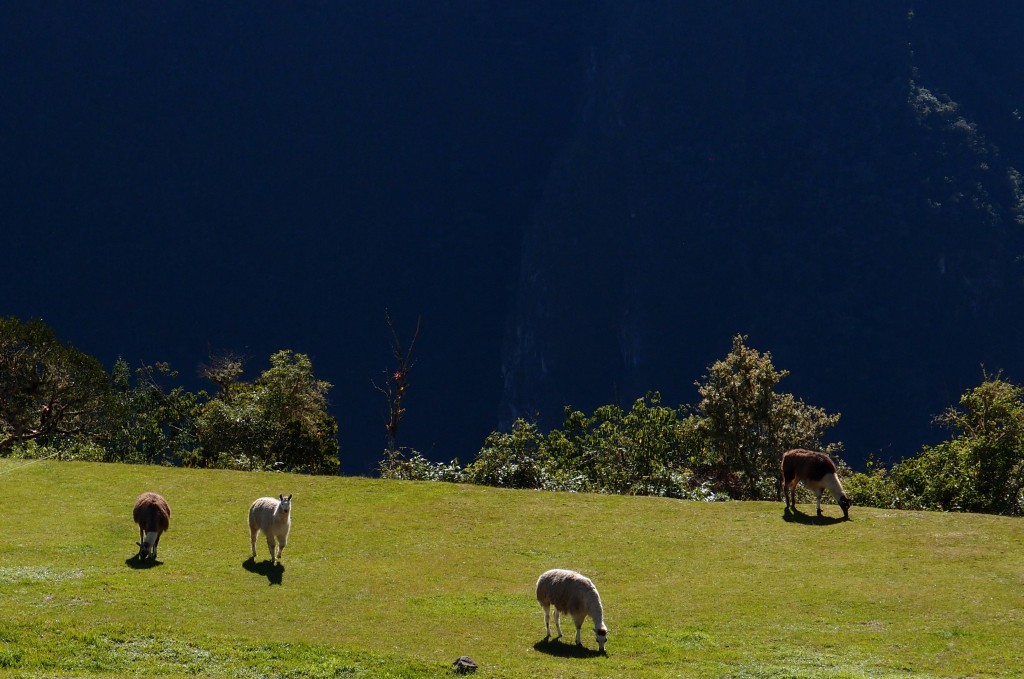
{"x":282,"y":497}
{"x":289,"y":497}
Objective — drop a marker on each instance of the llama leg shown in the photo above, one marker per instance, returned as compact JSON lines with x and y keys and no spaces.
{"x":281,"y":542}
{"x":547,"y":619}
{"x":578,"y":619}
{"x":558,"y":623}
{"x":817,"y":494}
{"x":271,"y":544}
{"x":156,"y":543}
{"x":253,"y":532}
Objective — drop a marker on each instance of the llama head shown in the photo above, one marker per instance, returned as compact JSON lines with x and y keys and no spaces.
{"x":602,"y":636}
{"x":844,"y":503}
{"x":286,"y":504}
{"x":146,"y":546}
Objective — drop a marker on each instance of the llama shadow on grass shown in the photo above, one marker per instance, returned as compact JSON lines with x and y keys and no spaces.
{"x":796,"y":516}
{"x":141,"y":564}
{"x":552,"y":646}
{"x":273,"y":572}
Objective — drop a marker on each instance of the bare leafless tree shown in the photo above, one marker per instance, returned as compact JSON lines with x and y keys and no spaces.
{"x":396,"y":382}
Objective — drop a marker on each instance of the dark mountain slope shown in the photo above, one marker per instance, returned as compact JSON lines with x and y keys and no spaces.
{"x":837,"y":183}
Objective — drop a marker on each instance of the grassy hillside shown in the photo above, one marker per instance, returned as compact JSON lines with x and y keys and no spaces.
{"x":385,"y":578}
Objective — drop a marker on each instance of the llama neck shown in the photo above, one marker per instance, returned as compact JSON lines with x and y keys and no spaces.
{"x":150,"y":538}
{"x":597,"y":612}
{"x":831,"y":481}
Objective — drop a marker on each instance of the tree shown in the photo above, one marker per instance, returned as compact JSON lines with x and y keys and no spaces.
{"x":144,"y":422}
{"x":305,"y":435}
{"x":512,"y":460}
{"x":396,"y":384}
{"x":990,"y":420}
{"x":981,"y":469}
{"x":639,"y":452}
{"x":280,"y":421}
{"x":224,"y":370}
{"x":49,"y":391}
{"x":749,"y":425}
{"x":645,"y":451}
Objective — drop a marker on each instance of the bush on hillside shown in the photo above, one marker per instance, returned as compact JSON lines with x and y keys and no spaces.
{"x":730,"y":447}
{"x":405,"y":464}
{"x":873,"y":488}
{"x":280,"y":421}
{"x":989,"y":422}
{"x":980,"y":469}
{"x":517,"y":459}
{"x":645,"y":451}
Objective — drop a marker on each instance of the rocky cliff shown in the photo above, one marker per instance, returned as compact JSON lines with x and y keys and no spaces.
{"x":836,"y":180}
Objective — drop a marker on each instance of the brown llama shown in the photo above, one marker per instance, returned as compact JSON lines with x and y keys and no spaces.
{"x":153,"y":515}
{"x":817,"y":471}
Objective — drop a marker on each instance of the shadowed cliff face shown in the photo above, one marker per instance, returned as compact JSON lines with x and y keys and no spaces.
{"x":835,"y":183}
{"x":614,"y":188}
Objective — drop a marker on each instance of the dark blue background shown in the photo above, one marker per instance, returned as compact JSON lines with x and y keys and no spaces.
{"x":582,"y":202}
{"x":180,"y":179}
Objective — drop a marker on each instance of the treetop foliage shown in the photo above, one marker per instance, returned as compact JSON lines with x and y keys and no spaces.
{"x":980,"y":469}
{"x":48,"y":389}
{"x":54,"y":397}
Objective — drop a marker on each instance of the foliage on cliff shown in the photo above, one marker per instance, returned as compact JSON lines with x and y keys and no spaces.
{"x":57,"y":400}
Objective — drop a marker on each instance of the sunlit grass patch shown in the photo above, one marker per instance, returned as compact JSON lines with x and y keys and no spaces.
{"x":480,"y":605}
{"x":11,"y":575}
{"x":387,"y":578}
{"x":111,"y":651}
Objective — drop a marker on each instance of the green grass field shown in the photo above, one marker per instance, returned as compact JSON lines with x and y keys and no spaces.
{"x":397,"y":579}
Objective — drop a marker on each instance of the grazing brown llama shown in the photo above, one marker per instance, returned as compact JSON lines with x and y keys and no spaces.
{"x":817,"y":471}
{"x":153,"y":515}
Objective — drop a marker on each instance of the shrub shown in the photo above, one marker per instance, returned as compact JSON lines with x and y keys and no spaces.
{"x":513,"y":460}
{"x":941,"y":477}
{"x":144,"y":422}
{"x":981,"y":469}
{"x":410,"y":465}
{"x":646,"y":451}
{"x":280,"y":421}
{"x":874,"y":488}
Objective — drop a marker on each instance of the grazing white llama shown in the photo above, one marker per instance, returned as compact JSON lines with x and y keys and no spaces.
{"x":273,"y":516}
{"x":572,"y":593}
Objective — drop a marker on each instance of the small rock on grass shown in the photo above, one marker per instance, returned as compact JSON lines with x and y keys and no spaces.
{"x":464,"y":664}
